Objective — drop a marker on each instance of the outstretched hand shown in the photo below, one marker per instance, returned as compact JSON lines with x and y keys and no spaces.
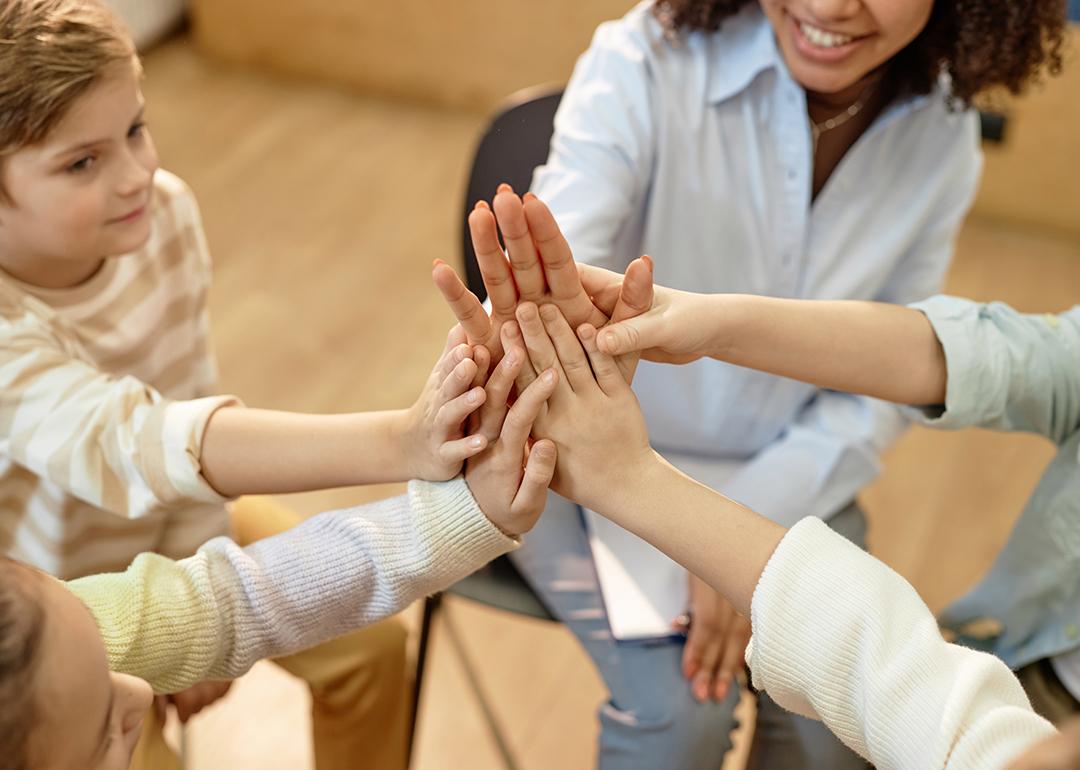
{"x":538,"y":266}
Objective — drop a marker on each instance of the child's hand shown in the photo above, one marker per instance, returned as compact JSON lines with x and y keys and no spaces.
{"x":435,"y":443}
{"x":680,"y":327}
{"x":594,"y":421}
{"x":510,"y":479}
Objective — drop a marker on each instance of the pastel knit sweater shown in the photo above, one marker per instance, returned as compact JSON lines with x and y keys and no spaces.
{"x":840,"y":637}
{"x":214,"y":614}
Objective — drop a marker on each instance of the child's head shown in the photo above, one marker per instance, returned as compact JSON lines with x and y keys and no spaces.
{"x":832,"y":45}
{"x":60,"y":706}
{"x":76,"y":163}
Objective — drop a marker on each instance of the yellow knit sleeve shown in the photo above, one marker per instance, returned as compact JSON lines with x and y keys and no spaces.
{"x":159,"y":620}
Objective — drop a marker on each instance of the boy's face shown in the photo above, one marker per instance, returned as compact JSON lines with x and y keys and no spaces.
{"x":91,"y":718}
{"x":831,"y":45}
{"x":82,"y":194}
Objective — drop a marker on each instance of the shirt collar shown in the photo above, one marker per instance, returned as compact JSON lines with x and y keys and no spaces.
{"x":746,"y":48}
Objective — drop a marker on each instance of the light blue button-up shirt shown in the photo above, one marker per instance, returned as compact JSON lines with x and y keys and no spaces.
{"x":698,"y":152}
{"x":1009,"y":371}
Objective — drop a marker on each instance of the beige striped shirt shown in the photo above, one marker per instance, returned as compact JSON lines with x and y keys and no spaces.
{"x":104,"y":397}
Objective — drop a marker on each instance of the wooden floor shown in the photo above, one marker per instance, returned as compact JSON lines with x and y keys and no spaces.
{"x":324,"y":211}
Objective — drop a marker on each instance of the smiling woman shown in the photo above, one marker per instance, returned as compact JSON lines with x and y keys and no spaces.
{"x":978,"y":44}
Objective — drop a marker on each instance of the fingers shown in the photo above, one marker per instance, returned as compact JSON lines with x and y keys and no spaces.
{"x":608,"y":375}
{"x":481,"y":356}
{"x":458,"y":451}
{"x":511,"y":338}
{"x":498,"y":388}
{"x":452,"y":414}
{"x":733,"y":657}
{"x":701,"y":657}
{"x":537,"y":343}
{"x":494,"y":269}
{"x":456,"y":336}
{"x":571,"y":356}
{"x":463,"y":303}
{"x":522,"y":415}
{"x":602,"y":285}
{"x":451,"y":357}
{"x":531,"y":496}
{"x":629,"y":336}
{"x":561,"y":273}
{"x":457,"y":381}
{"x":524,"y":261}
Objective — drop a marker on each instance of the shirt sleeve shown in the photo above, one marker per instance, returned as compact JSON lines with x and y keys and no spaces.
{"x":213,"y":615}
{"x":840,"y":637}
{"x":113,"y":442}
{"x":1007,"y":370}
{"x":602,"y":149}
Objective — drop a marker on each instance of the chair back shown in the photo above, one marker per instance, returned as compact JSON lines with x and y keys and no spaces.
{"x":514,"y":144}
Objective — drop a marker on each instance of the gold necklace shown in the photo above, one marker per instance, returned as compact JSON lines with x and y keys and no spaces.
{"x":817,"y":129}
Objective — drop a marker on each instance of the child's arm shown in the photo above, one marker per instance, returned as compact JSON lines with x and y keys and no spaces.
{"x":255,"y":451}
{"x":835,"y":631}
{"x":118,"y":444}
{"x":213,"y":615}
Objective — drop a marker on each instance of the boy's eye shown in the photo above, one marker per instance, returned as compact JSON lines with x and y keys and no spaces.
{"x":81,"y":165}
{"x":136,"y":129}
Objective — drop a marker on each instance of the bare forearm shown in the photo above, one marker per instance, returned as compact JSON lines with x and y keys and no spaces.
{"x":876,"y":349}
{"x":720,"y":541}
{"x":258,"y":451}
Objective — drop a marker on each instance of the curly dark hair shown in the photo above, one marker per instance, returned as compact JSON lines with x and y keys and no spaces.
{"x":981,"y":44}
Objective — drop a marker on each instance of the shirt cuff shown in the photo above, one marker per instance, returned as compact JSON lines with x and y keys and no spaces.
{"x":970,"y":372}
{"x":170,"y":444}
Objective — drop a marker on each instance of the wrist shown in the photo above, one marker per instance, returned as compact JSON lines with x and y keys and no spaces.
{"x":403,"y":447}
{"x":729,"y":318}
{"x":622,"y":488}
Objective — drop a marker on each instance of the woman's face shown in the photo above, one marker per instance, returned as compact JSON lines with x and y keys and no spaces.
{"x":832,"y":45}
{"x":88,"y":717}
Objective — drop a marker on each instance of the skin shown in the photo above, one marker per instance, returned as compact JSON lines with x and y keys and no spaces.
{"x":84,"y":193}
{"x":712,"y":654}
{"x":90,"y":717}
{"x":836,"y":78}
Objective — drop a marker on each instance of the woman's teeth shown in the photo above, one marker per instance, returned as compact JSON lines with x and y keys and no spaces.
{"x":823,"y":39}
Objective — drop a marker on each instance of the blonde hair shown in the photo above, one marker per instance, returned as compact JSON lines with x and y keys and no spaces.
{"x":52,"y":52}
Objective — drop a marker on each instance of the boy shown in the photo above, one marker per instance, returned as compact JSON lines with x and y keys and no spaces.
{"x":111,"y":443}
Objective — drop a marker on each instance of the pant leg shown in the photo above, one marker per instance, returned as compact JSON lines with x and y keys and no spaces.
{"x":650,"y":720}
{"x":359,"y":682}
{"x":151,"y":752}
{"x":791,"y":742}
{"x":1048,"y":696}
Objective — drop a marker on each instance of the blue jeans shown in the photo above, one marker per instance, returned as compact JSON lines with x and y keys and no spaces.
{"x":650,"y":720}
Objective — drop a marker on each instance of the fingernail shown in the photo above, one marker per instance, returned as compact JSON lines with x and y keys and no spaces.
{"x":472,"y":397}
{"x":476,"y":442}
{"x":510,"y":359}
{"x":721,"y":690}
{"x":548,"y":312}
{"x":480,"y":205}
{"x":549,"y":376}
{"x":504,"y":187}
{"x":528,"y":196}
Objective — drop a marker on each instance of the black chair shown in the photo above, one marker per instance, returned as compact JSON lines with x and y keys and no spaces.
{"x":514,"y":144}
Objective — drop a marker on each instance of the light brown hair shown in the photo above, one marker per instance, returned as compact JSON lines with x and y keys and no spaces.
{"x":22,"y":625}
{"x":51,"y":53}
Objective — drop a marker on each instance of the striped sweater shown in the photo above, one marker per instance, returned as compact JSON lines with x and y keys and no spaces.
{"x":104,"y":395}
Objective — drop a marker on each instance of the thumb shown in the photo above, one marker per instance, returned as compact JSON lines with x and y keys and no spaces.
{"x":636,"y":292}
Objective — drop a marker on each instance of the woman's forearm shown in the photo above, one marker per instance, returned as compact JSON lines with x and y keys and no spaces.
{"x":876,"y":349}
{"x":259,"y":451}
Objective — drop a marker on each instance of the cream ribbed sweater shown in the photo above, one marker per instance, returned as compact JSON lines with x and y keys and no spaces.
{"x":213,"y":615}
{"x":840,"y":637}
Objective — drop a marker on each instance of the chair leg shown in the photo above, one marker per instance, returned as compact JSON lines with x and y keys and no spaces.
{"x":431,"y":606}
{"x":474,"y":684}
